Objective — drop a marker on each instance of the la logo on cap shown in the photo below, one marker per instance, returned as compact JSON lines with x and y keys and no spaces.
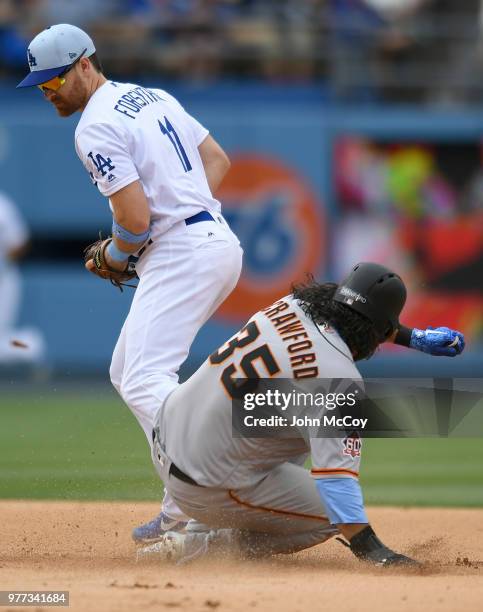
{"x":31,"y":58}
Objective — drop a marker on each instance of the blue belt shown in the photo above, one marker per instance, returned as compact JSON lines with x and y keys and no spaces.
{"x":204,"y":215}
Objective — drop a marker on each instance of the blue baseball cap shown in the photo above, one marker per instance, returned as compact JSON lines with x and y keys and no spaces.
{"x":53,"y":51}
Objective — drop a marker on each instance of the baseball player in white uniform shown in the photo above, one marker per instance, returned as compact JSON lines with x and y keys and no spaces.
{"x":16,"y":344}
{"x":252,"y":494}
{"x":159,"y":168}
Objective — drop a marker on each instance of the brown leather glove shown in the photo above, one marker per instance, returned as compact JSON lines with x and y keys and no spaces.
{"x":96,"y":263}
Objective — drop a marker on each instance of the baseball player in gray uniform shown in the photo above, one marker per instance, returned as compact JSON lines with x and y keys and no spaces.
{"x":253,"y":494}
{"x":159,"y":167}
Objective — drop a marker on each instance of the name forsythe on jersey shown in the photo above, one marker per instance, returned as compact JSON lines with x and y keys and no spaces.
{"x":135,"y":100}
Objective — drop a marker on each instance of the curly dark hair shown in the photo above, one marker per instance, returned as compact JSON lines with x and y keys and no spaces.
{"x":356,"y":330}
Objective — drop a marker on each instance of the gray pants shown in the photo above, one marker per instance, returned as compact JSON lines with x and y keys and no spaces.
{"x":281,"y":514}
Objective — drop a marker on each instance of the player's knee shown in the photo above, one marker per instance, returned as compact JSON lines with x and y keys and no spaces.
{"x":133,"y":392}
{"x":116,"y":378}
{"x":147,"y":390}
{"x":127,"y":391}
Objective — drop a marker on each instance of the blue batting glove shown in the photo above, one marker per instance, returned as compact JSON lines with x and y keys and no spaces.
{"x":442,"y":341}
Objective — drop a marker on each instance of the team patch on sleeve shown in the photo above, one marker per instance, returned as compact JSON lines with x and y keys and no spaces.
{"x":104,"y":152}
{"x":336,"y":457}
{"x":352,"y":445}
{"x":102,"y":164}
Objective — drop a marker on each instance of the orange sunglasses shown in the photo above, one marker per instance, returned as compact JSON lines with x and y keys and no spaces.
{"x":57,"y":82}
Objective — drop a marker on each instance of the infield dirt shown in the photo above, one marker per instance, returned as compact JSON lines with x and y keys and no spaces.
{"x":85,"y":548}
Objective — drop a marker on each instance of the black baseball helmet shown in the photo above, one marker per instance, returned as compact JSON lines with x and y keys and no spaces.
{"x":375,"y":292}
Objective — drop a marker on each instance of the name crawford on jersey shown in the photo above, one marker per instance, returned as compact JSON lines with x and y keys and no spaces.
{"x":292,"y":331}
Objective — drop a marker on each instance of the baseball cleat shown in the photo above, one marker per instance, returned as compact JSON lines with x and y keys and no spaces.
{"x":169,"y":548}
{"x":154,"y":530}
{"x":399,"y":560}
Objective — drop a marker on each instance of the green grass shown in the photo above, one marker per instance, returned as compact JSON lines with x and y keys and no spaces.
{"x":423,"y":471}
{"x":73,"y":446}
{"x":87,"y":445}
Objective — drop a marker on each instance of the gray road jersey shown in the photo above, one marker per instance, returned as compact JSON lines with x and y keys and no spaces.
{"x":196,"y":420}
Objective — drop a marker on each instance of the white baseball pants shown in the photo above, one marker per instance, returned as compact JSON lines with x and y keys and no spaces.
{"x":185,"y":274}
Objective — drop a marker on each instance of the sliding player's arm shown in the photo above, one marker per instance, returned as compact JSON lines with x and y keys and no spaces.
{"x":336,"y":471}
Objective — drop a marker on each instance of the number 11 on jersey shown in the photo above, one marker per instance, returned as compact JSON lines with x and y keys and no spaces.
{"x":169,"y":131}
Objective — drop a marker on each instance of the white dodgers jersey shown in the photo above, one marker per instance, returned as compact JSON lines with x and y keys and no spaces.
{"x":128,"y":133}
{"x":195,"y":424}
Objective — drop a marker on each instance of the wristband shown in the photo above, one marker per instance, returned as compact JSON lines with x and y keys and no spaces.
{"x":403,"y":336}
{"x":115,"y":252}
{"x":127,"y":236}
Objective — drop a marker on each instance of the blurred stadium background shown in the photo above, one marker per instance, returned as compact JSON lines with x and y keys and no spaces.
{"x":355,"y":129}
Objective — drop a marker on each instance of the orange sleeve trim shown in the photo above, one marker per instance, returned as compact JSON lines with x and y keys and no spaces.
{"x":323,"y":471}
{"x":245,"y":504}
